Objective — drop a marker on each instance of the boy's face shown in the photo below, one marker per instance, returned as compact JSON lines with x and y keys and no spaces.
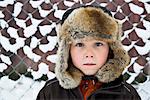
{"x":89,"y":55}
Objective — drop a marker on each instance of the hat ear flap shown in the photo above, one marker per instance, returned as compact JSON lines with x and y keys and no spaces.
{"x":114,"y":67}
{"x":67,"y":75}
{"x":119,"y":34}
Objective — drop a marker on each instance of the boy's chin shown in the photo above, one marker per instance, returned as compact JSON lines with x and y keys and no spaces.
{"x":89,"y":73}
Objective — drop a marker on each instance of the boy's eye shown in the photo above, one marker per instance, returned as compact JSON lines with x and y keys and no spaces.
{"x":98,"y":44}
{"x":79,"y":44}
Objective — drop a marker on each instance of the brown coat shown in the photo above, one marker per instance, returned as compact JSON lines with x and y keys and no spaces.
{"x":116,"y":90}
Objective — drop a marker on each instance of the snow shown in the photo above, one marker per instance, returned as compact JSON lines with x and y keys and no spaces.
{"x":13,"y":48}
{"x":51,"y":75}
{"x":68,"y":3}
{"x":4,"y":42}
{"x":43,"y":68}
{"x":147,"y":24}
{"x":34,"y":42}
{"x":3,"y":23}
{"x":30,"y":30}
{"x":28,"y":51}
{"x":146,"y":49}
{"x":50,"y":46}
{"x":137,"y":68}
{"x":3,"y":67}
{"x":52,"y":58}
{"x":136,"y":9}
{"x":12,"y":32}
{"x":10,"y":84}
{"x":47,"y":1}
{"x":142,"y":33}
{"x":42,"y":12}
{"x":35,"y":4}
{"x":45,"y":29}
{"x":20,"y":22}
{"x":22,"y":89}
{"x":6,"y":2}
{"x":17,"y":9}
{"x":147,"y":7}
{"x":5,"y":59}
{"x":59,"y":13}
{"x":35,"y":22}
{"x":1,"y":14}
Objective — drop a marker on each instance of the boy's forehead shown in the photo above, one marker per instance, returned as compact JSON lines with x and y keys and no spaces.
{"x":87,"y":39}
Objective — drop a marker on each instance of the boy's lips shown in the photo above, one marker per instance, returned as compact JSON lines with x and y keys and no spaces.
{"x":89,"y":64}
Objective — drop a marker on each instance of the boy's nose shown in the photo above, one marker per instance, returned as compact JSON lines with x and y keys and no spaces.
{"x":87,"y":56}
{"x":89,"y":53}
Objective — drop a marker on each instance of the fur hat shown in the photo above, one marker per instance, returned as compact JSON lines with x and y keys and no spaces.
{"x":92,"y":22}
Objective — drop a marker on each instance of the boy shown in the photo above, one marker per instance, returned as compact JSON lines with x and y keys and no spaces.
{"x":90,"y":59}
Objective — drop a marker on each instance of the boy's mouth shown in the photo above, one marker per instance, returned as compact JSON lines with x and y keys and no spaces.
{"x":89,"y":64}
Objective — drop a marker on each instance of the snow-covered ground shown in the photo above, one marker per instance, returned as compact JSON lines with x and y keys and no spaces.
{"x":22,"y":89}
{"x":27,"y":89}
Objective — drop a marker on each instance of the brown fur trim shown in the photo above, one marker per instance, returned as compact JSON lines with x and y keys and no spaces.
{"x":90,"y":20}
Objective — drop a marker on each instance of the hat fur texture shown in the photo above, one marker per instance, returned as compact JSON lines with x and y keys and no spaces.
{"x":89,"y":22}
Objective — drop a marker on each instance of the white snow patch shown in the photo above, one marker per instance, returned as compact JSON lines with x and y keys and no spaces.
{"x":127,"y":0}
{"x":43,"y":13}
{"x":76,"y":0}
{"x":147,"y":24}
{"x":142,"y":33}
{"x":10,"y":84}
{"x":147,"y":7}
{"x":50,"y":46}
{"x":4,"y":42}
{"x":6,"y":2}
{"x":59,"y":13}
{"x":19,"y":43}
{"x":43,"y":68}
{"x":132,"y":77}
{"x":17,"y":8}
{"x":29,"y":31}
{"x":35,"y":22}
{"x":144,"y":95}
{"x":136,"y":9}
{"x":1,"y":14}
{"x":51,"y":75}
{"x":47,"y":1}
{"x":137,"y":68}
{"x":143,"y":50}
{"x":5,"y":59}
{"x":34,"y":42}
{"x":3,"y":23}
{"x":69,"y":3}
{"x":3,"y":66}
{"x":6,"y":95}
{"x":35,"y":4}
{"x":20,"y":22}
{"x":12,"y":32}
{"x":45,"y":29}
{"x":52,"y":58}
{"x":13,"y":48}
{"x":36,"y":75}
{"x":28,"y":51}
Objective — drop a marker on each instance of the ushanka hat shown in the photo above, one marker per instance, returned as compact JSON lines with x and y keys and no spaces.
{"x":89,"y":21}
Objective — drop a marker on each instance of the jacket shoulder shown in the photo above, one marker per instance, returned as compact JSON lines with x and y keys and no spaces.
{"x":132,"y":91}
{"x":46,"y":92}
{"x":50,"y":82}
